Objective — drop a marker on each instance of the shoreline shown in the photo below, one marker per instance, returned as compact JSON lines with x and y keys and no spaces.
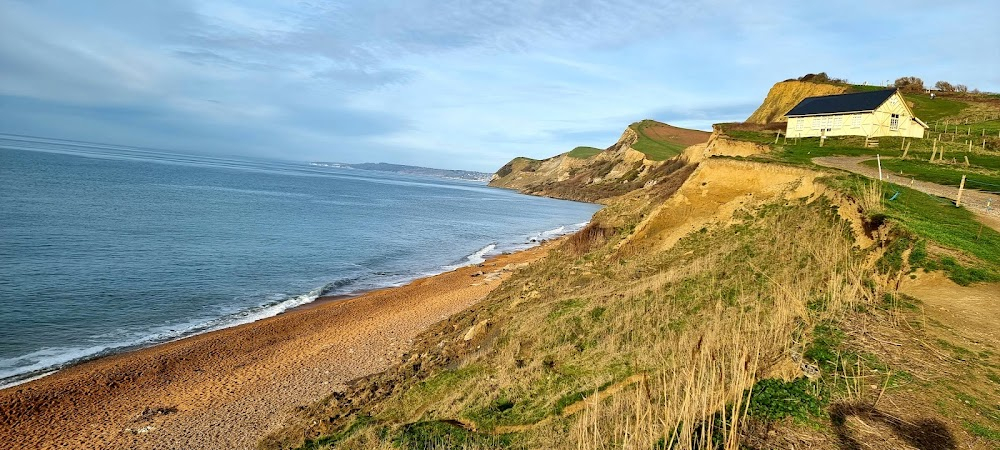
{"x":232,"y":386}
{"x":20,"y":379}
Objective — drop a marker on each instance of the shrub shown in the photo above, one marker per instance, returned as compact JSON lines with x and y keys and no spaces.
{"x":944,"y":86}
{"x":909,"y":84}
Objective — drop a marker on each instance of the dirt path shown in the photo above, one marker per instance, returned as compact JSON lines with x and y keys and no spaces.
{"x":986,"y":206}
{"x":972,"y":310}
{"x":229,"y":388}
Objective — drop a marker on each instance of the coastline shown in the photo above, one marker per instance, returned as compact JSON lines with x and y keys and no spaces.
{"x":230,"y":387}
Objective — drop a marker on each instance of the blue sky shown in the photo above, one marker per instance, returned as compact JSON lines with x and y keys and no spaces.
{"x":447,"y":83}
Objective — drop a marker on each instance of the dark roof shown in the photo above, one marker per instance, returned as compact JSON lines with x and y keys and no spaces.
{"x":841,"y":103}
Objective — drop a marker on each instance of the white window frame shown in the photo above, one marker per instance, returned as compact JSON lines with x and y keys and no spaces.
{"x":799,"y":123}
{"x":856,"y":121}
{"x":894,"y":122}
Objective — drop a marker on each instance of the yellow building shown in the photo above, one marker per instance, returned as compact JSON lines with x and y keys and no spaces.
{"x":869,"y":114}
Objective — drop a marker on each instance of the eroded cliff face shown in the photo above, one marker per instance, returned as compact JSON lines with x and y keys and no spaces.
{"x":785,"y":95}
{"x":615,"y":171}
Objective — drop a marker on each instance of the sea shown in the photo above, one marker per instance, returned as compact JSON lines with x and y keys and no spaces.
{"x":106,"y":248}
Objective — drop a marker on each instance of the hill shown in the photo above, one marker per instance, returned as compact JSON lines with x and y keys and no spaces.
{"x":734,"y":296}
{"x":637,"y":159}
{"x":955,"y":107}
{"x":785,"y":95}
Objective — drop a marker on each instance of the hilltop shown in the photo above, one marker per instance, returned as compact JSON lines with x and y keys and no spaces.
{"x":732,"y":295}
{"x":638,"y":158}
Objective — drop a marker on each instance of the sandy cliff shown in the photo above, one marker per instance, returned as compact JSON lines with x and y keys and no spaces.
{"x":785,"y":95}
{"x":619,"y":169}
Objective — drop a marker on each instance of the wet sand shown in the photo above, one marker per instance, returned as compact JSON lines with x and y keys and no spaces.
{"x":229,"y":388}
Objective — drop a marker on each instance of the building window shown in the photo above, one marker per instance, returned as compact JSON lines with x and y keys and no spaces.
{"x":817,"y":122}
{"x":856,"y":121}
{"x":799,"y":123}
{"x":894,"y":122}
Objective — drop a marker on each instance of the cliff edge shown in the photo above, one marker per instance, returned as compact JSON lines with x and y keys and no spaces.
{"x":785,"y":95}
{"x":643,"y":154}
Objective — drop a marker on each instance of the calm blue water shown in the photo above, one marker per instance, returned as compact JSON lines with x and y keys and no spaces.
{"x":107,"y":248}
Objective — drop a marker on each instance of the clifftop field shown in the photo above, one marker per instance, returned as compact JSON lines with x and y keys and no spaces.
{"x":733,"y":293}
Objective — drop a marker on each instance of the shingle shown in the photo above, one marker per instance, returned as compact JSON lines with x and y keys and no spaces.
{"x":841,"y":103}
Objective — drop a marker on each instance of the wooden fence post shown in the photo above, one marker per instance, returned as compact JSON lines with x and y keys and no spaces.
{"x":961,"y":187}
{"x":966,"y":161}
{"x":907,"y":150}
{"x":879,"y":159}
{"x":776,"y":138}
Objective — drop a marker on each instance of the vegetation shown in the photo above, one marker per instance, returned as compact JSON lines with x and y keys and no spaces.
{"x":909,"y":84}
{"x":948,"y":174}
{"x":929,"y":110}
{"x":650,"y":329}
{"x":654,"y":148}
{"x":583,"y":152}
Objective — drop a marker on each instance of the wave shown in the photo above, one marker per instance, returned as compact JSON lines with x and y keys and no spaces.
{"x":24,"y":368}
{"x":556,"y":232}
{"x":21,"y":369}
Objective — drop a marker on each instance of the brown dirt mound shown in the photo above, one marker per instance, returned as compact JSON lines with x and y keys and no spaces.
{"x":663,"y":132}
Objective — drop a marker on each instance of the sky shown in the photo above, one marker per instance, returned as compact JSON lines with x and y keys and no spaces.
{"x":458,"y":84}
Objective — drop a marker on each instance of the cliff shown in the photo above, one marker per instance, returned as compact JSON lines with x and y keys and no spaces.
{"x":729,"y":296}
{"x":641,"y":157}
{"x":785,"y":95}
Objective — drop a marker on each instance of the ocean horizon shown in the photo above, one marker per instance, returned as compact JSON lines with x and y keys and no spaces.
{"x":108,"y":248}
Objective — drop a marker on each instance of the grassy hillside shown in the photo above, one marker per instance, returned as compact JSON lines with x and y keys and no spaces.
{"x":659,"y":141}
{"x":583,"y":152}
{"x":930,"y":110}
{"x":751,"y":302}
{"x":673,"y":321}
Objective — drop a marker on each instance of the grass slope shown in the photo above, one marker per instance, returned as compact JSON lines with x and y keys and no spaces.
{"x":930,"y":110}
{"x":655,"y":148}
{"x":583,"y":152}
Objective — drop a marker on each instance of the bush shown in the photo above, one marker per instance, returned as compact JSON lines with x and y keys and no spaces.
{"x":909,"y":84}
{"x":944,"y":86}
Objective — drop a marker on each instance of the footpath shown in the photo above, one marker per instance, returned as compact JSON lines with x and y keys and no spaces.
{"x":984,"y":205}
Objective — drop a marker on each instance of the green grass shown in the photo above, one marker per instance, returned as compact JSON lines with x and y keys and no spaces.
{"x":937,"y":220}
{"x":656,"y":150}
{"x":929,"y":110}
{"x":774,"y":399}
{"x":807,"y":149}
{"x":445,"y":435}
{"x":948,"y":175}
{"x":583,"y":152}
{"x":865,"y":88}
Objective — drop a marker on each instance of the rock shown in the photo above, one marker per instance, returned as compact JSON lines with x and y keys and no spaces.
{"x":475,"y":330}
{"x":811,"y":371}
